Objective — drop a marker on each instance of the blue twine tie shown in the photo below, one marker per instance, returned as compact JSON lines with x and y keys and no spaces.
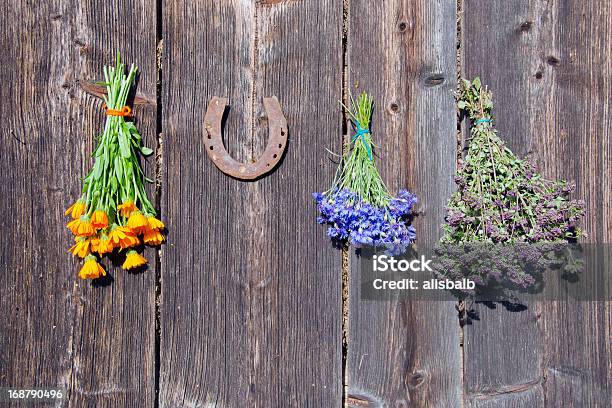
{"x":479,"y":121}
{"x":360,"y":133}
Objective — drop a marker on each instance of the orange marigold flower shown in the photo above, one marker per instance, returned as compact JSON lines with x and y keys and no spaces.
{"x":123,"y":237}
{"x":155,"y":224}
{"x":129,"y":241}
{"x":138,"y":222}
{"x":126,"y":208}
{"x":81,"y":226}
{"x":133,"y":260}
{"x":85,"y":228}
{"x":94,"y":242}
{"x":91,"y":269}
{"x":105,"y":246}
{"x":117,"y":233}
{"x":99,"y":219}
{"x":76,"y":210}
{"x":153,"y":237}
{"x":81,"y":247}
{"x":73,"y":226}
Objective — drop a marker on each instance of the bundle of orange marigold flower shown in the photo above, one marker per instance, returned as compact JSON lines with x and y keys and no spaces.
{"x":113,"y":214}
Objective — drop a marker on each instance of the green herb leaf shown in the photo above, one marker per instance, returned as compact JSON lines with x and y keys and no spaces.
{"x":124,"y":145}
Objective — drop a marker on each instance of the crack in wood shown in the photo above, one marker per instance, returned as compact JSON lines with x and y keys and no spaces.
{"x":434,"y":80}
{"x":274,"y":2}
{"x":510,"y":389}
{"x":109,"y":391}
{"x":361,"y":401}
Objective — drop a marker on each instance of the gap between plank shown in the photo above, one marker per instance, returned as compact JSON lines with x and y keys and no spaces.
{"x":159,"y":41}
{"x":345,"y":250}
{"x":461,"y":305}
{"x":255,"y":62}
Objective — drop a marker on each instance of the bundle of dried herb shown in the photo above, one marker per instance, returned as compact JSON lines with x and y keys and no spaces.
{"x":358,"y":208}
{"x":505,"y":224}
{"x":501,"y":198}
{"x":114,"y":212}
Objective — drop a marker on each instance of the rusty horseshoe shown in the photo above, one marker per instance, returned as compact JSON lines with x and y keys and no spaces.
{"x":277,"y":141}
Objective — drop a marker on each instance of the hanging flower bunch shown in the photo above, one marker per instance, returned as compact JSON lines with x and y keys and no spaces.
{"x":358,"y":208}
{"x":113,"y":213}
{"x":502,"y":199}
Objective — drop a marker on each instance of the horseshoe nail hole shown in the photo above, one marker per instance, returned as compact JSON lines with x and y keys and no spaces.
{"x":280,"y":145}
{"x":539,"y":75}
{"x":282,"y":132}
{"x":394,"y":107}
{"x":211,"y":148}
{"x":402,"y":26}
{"x":209,"y":136}
{"x":267,"y":164}
{"x":274,"y":156}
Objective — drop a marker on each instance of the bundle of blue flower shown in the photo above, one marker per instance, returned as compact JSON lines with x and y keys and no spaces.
{"x":358,"y":208}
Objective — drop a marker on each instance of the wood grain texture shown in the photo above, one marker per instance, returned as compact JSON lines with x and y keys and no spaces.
{"x":251,"y":287}
{"x":404,"y":354}
{"x":549,"y":67}
{"x":55,"y":330}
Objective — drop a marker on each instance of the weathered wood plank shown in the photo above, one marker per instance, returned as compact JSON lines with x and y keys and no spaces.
{"x":503,"y":358}
{"x":549,"y":67}
{"x":58,"y":331}
{"x":400,"y":353}
{"x":251,"y":296}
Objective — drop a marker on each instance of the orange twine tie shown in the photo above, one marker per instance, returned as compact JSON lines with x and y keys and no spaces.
{"x":125,"y":111}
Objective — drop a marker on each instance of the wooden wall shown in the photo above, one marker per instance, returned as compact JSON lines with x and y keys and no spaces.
{"x":549,"y":66}
{"x":243,"y":307}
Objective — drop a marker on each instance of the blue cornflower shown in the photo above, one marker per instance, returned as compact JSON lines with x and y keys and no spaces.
{"x":353,"y":220}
